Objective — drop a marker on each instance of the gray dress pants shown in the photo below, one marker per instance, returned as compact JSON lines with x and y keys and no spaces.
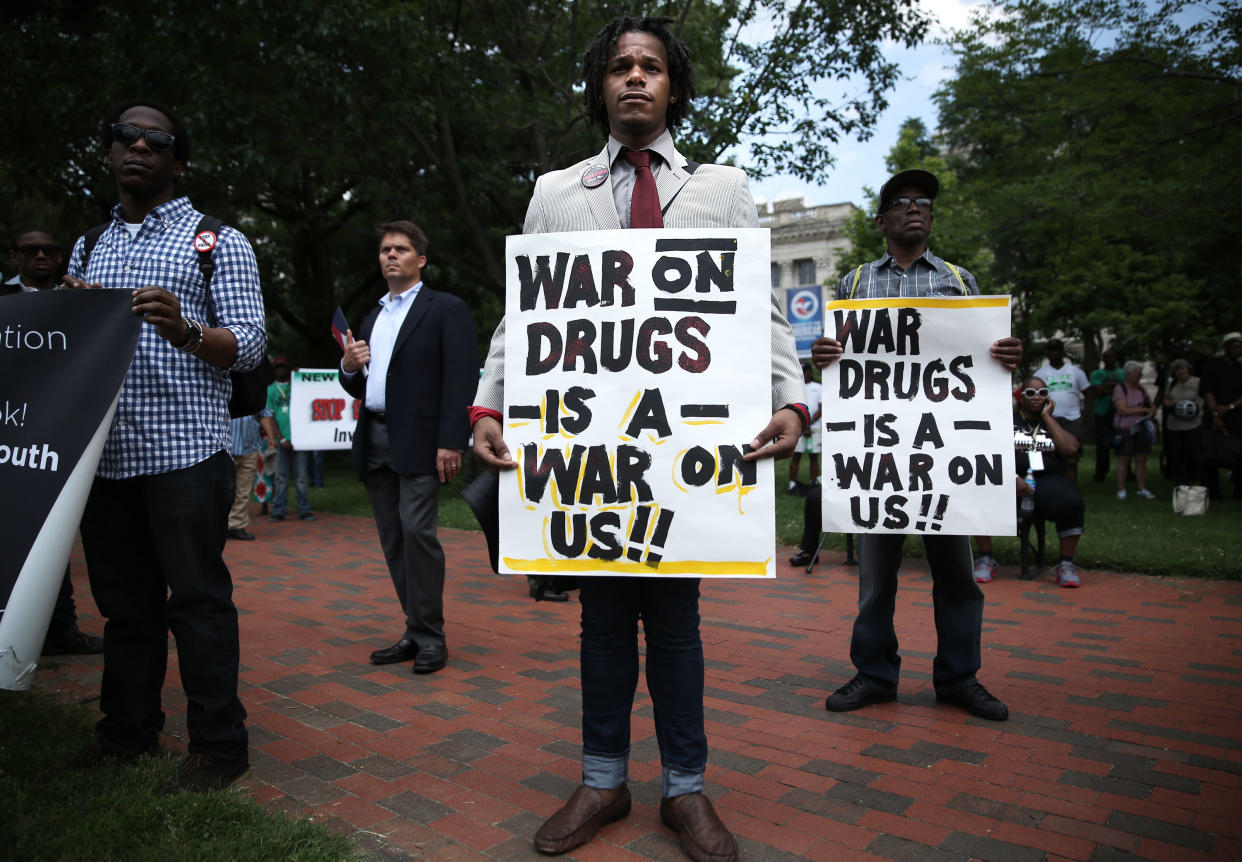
{"x":406,"y":510}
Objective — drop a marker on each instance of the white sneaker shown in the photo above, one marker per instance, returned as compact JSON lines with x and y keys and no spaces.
{"x":985,"y":570}
{"x":1067,"y":575}
{"x":1145,"y":494}
{"x":1121,"y":495}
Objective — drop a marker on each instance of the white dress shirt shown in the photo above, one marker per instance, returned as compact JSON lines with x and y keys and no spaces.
{"x":383,"y":339}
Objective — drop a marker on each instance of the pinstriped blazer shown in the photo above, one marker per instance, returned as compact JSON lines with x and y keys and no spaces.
{"x":714,"y":196}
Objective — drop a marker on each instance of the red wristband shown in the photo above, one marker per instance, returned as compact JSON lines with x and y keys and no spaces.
{"x":477,"y":413}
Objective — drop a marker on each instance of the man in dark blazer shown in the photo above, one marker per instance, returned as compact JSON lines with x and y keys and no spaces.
{"x":638,"y":86}
{"x":415,"y":367}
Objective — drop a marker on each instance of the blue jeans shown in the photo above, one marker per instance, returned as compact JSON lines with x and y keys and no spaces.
{"x":957,"y":605}
{"x":669,"y":610}
{"x":154,"y":552}
{"x":299,"y":463}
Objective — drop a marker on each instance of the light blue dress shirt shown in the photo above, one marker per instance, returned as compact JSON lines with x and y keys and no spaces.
{"x":383,"y":340}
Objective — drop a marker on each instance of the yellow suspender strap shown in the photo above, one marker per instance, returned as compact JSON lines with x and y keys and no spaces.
{"x":858,"y":275}
{"x":959,"y":276}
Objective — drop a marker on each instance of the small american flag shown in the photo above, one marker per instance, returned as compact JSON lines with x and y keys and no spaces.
{"x":339,"y":327}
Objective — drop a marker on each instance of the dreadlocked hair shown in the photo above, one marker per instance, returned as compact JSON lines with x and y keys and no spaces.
{"x":595,"y":63}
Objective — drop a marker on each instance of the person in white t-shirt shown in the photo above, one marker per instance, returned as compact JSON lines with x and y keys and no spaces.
{"x":1066,"y":384}
{"x":811,"y":440}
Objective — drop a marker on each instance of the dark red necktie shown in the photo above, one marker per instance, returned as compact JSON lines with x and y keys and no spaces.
{"x":645,"y":204}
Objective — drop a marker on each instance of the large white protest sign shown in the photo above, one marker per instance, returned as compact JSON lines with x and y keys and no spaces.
{"x":322,"y":415}
{"x":637,"y":367}
{"x":918,"y":427}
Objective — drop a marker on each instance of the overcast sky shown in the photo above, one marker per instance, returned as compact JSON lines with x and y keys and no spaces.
{"x":861,"y":163}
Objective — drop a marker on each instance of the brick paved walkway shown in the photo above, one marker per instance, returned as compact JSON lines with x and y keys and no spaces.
{"x":1125,"y":739}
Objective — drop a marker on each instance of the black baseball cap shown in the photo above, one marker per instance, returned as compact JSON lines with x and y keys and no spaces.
{"x":924,"y":180}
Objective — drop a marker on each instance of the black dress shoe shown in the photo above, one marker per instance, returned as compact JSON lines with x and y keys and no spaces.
{"x":803,"y":559}
{"x":72,"y":641}
{"x":857,"y":693}
{"x":540,"y":590}
{"x":403,"y":650}
{"x":431,"y":658}
{"x":241,"y":534}
{"x":971,"y":696}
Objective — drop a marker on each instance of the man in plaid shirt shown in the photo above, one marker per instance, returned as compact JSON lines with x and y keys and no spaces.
{"x":909,"y":270}
{"x":155,"y":522}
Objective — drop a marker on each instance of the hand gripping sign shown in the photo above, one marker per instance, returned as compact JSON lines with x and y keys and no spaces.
{"x":917,"y":418}
{"x":637,"y":366}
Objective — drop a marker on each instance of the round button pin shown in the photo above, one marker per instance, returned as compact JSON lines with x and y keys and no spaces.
{"x":593,"y":177}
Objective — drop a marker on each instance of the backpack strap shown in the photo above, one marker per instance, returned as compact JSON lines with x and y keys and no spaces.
{"x":959,"y":276}
{"x":206,"y":263}
{"x":690,"y":167}
{"x":857,"y":275}
{"x":89,"y":239}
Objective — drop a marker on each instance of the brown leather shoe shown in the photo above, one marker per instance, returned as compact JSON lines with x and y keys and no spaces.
{"x":699,"y":830}
{"x":580,"y":818}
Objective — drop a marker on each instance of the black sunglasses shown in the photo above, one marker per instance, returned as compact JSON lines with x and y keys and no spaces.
{"x":125,"y":135}
{"x":32,"y":249}
{"x":923,"y":204}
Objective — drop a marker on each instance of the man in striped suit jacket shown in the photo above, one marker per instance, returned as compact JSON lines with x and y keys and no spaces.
{"x":638,"y":86}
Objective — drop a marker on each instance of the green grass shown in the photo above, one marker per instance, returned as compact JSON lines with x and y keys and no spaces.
{"x":116,"y":813}
{"x":1134,"y":535}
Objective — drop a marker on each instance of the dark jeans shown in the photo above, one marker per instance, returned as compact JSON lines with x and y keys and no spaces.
{"x":65,"y":611}
{"x":812,"y":522}
{"x":669,"y":610}
{"x":1058,"y":499}
{"x":956,"y":599}
{"x":298,"y":463}
{"x":154,"y":555}
{"x":1185,"y":451}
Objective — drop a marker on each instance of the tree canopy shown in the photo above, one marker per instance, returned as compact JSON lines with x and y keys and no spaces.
{"x":1098,"y":141}
{"x":311,"y":126}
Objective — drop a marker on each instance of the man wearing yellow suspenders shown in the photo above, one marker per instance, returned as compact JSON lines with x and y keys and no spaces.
{"x":908,"y":269}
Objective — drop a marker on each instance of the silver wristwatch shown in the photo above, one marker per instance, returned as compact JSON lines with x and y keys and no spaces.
{"x":193,"y":336}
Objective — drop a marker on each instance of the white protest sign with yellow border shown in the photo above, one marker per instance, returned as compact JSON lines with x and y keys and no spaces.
{"x":918,"y":418}
{"x":637,"y":367}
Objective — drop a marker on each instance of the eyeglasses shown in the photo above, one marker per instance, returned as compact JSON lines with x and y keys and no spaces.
{"x":125,"y":135}
{"x":1031,"y":393}
{"x":50,"y":250}
{"x":924,"y":204}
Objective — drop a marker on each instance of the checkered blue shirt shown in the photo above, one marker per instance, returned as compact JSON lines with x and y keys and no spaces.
{"x":173,"y":409}
{"x":926,"y":276}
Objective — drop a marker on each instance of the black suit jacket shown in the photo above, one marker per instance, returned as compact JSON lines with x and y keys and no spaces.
{"x":432,"y":377}
{"x":7,"y":289}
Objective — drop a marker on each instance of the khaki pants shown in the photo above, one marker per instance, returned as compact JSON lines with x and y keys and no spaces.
{"x":247,"y":467}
